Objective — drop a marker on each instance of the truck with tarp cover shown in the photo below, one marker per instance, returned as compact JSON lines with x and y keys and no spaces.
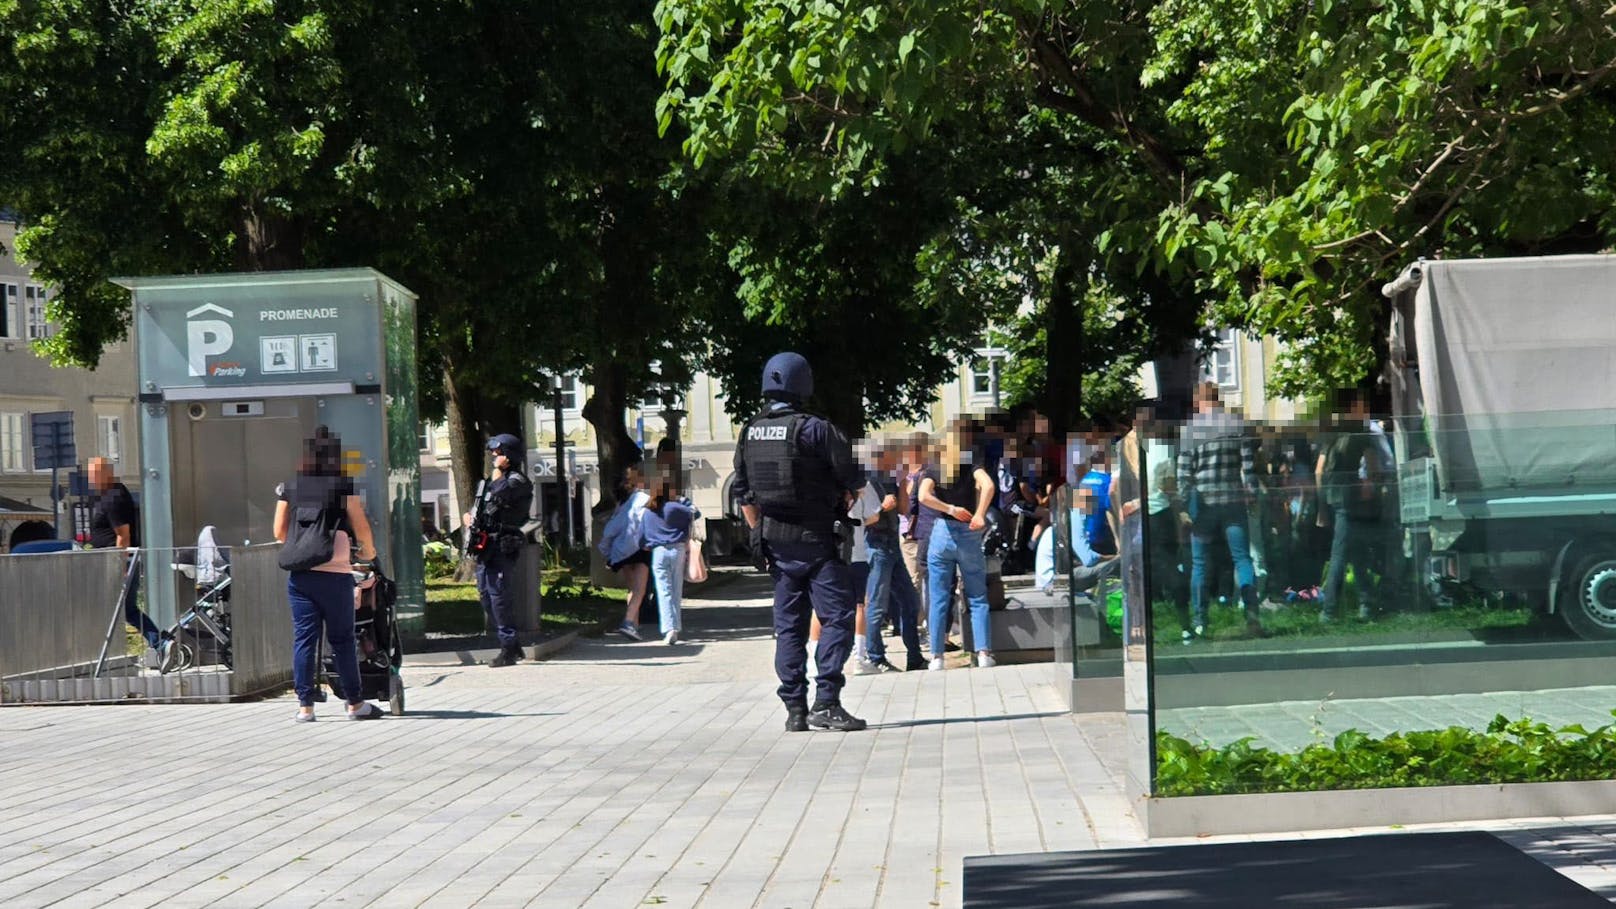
{"x":1503,"y":382}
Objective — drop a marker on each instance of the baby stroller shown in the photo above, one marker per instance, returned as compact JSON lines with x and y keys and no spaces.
{"x":376,"y":638}
{"x":208,"y":567}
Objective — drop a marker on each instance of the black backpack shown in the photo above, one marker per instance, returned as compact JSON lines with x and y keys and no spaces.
{"x":311,"y":540}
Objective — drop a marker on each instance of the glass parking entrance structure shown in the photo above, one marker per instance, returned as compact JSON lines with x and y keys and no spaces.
{"x":236,"y":370}
{"x":1365,"y":612}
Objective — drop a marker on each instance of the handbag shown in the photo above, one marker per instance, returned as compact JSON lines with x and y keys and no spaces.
{"x":696,"y":566}
{"x":311,"y":540}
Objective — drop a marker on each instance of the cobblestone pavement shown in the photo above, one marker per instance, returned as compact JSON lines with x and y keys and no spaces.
{"x":617,"y":775}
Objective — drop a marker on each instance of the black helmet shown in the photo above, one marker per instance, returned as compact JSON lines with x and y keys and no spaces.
{"x":506,"y":444}
{"x":788,"y":377}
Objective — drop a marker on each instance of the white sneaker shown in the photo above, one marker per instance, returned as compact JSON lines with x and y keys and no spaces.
{"x":671,"y":638}
{"x":984,"y":659}
{"x":863,"y":667}
{"x":936,"y":664}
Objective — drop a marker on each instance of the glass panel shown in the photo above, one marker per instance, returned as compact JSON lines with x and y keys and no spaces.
{"x":1359,"y":605}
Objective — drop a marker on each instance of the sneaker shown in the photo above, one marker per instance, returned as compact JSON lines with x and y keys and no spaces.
{"x":365,"y":711}
{"x":832,"y":716}
{"x":985,"y":660}
{"x":936,"y":664}
{"x":1186,"y":637}
{"x":169,"y":650}
{"x":628,"y":630}
{"x":915,"y":664}
{"x":950,"y":647}
{"x":797,"y":719}
{"x":301,"y":717}
{"x":671,"y":638}
{"x":864,"y":667}
{"x":884,"y":666}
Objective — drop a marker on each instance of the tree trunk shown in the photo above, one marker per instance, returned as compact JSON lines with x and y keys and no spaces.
{"x":604,"y":410}
{"x":843,"y":403}
{"x":267,"y":240}
{"x":1064,"y":361}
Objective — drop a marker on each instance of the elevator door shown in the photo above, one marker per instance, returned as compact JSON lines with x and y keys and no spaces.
{"x":226,"y":467}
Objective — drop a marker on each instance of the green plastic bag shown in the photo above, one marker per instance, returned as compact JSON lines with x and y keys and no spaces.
{"x":1113,"y":610}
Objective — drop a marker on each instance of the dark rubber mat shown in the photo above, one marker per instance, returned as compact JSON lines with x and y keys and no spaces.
{"x":1462,"y":870}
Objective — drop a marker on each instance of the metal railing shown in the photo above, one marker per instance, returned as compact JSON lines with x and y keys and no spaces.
{"x":65,"y":638}
{"x":261,"y":621}
{"x":54,"y":609}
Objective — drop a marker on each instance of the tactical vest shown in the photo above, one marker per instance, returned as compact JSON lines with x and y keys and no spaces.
{"x":791,"y":487}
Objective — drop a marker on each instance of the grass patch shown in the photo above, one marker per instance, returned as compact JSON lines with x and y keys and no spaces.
{"x":1507,"y":751}
{"x":1301,"y":620}
{"x":454,"y":608}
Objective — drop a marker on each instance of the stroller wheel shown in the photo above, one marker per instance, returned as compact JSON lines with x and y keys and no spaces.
{"x":395,"y":695}
{"x":187,"y":657}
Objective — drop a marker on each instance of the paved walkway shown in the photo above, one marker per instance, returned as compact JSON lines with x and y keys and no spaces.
{"x":617,"y":775}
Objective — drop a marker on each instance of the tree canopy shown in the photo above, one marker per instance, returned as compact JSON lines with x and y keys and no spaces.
{"x":1270,"y":163}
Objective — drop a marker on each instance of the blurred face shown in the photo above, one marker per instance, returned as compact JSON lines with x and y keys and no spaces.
{"x":100,"y":473}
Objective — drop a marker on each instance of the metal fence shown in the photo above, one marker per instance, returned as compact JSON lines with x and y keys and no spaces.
{"x":64,"y":636}
{"x":55,"y":609}
{"x":262,"y":622}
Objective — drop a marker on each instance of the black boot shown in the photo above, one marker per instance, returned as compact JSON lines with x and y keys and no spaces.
{"x":1253,"y":604}
{"x":832,"y":716}
{"x":507,"y":656}
{"x":797,"y":717}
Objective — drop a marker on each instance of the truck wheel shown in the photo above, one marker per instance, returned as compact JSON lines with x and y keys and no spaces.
{"x":1588,"y":599}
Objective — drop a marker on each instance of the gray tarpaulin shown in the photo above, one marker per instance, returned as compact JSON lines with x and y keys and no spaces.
{"x":1517,"y":366}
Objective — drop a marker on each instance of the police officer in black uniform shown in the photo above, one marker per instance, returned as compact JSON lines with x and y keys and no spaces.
{"x":496,"y":540}
{"x":795,"y":471}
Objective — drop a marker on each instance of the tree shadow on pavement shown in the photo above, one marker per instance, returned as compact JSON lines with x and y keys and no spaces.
{"x":465,"y":715}
{"x":946,"y":721}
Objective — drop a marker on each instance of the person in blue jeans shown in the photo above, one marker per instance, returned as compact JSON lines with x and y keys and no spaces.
{"x":1217,"y":476}
{"x":322,"y":597}
{"x":889,"y":584}
{"x":961,"y":502}
{"x":666,"y":529}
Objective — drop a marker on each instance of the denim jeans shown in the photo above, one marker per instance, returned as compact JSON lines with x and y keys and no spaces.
{"x":138,"y":619}
{"x":668,"y":573}
{"x":956,"y":547}
{"x":323,"y":598}
{"x":889,"y":584}
{"x":1228,"y":521}
{"x":1353,"y":542}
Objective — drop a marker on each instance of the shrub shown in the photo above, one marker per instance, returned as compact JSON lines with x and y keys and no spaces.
{"x":1507,"y":751}
{"x":439,"y":559}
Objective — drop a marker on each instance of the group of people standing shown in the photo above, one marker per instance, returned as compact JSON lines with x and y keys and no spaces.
{"x":648,"y":542}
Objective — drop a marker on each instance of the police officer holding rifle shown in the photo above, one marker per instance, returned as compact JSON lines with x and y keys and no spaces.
{"x":495,"y":540}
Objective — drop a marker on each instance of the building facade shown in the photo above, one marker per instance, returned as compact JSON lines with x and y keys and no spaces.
{"x":102,"y":402}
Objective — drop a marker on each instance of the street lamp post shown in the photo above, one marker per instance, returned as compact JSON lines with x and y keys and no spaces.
{"x":556,"y":386}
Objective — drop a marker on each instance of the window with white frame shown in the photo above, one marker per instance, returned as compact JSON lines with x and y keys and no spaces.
{"x":109,"y":438}
{"x":13,"y":442}
{"x":10,"y":314}
{"x":571,"y":394}
{"x":1222,"y":363}
{"x":34,"y":304}
{"x":985,"y":371}
{"x":425,"y":430}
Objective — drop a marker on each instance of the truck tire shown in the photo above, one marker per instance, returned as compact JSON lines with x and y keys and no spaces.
{"x":1588,"y":599}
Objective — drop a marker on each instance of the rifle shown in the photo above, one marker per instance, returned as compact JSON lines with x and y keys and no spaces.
{"x":477,"y":535}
